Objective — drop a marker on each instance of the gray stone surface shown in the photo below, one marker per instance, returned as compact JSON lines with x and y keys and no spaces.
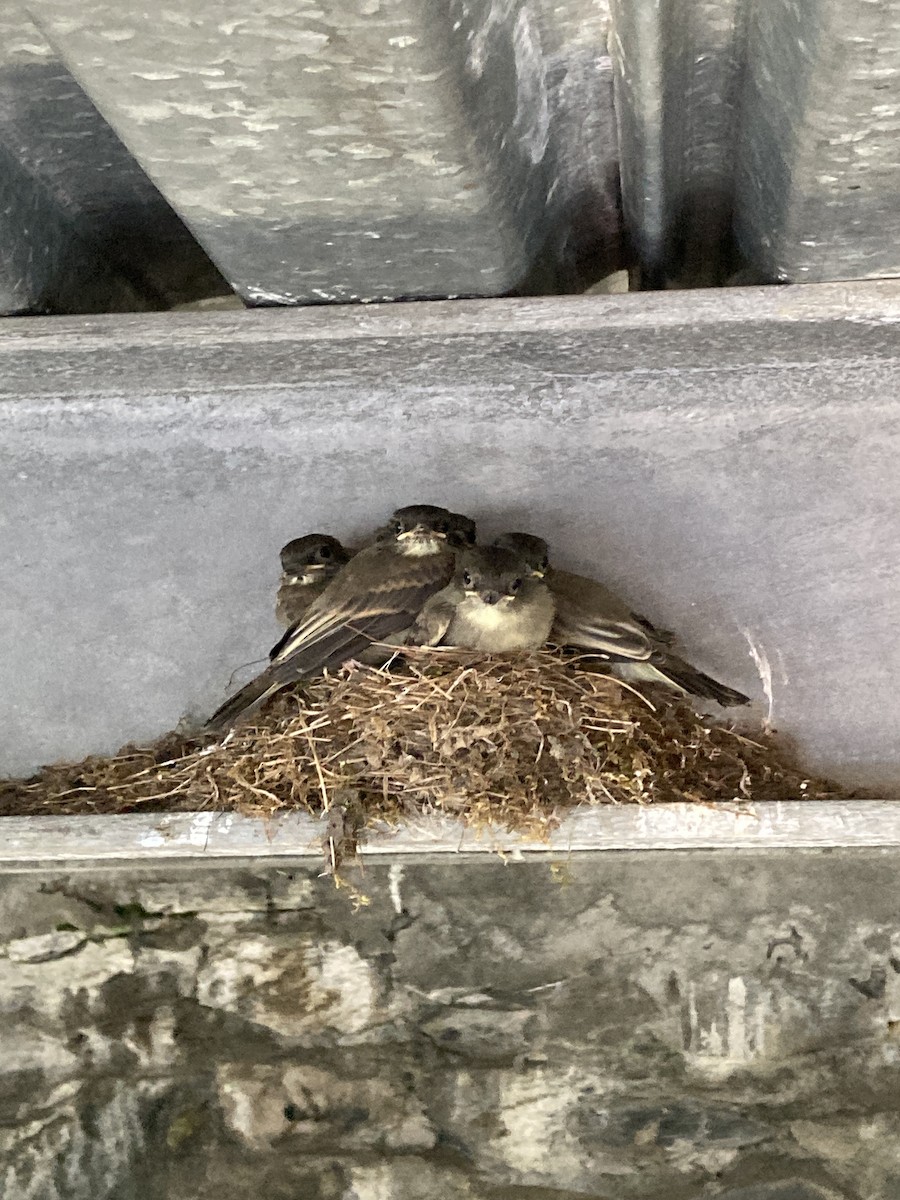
{"x":645,"y":1026}
{"x":726,"y":459}
{"x":369,"y":149}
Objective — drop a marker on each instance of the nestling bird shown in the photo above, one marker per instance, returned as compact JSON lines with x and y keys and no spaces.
{"x":491,"y":604}
{"x":308,"y":564}
{"x":591,"y":618}
{"x":375,"y":597}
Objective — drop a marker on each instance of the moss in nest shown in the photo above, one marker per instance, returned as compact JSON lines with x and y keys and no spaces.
{"x":510,"y":740}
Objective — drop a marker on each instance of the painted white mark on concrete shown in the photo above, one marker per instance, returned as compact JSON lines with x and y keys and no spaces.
{"x":711,"y":1041}
{"x":759,"y":1025}
{"x":242,"y":1110}
{"x":734,"y":1037}
{"x":347,"y":976}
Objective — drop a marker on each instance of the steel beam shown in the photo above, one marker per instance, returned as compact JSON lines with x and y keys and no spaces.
{"x":82,"y":228}
{"x":366,"y":149}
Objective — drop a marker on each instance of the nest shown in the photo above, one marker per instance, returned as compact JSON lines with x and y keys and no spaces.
{"x":512,"y":741}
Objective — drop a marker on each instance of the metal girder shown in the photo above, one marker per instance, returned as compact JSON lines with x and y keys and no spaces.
{"x":366,"y":149}
{"x":759,"y":134}
{"x":82,"y":228}
{"x":818,"y":167}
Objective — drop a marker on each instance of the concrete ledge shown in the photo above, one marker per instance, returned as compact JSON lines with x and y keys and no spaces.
{"x":38,"y":841}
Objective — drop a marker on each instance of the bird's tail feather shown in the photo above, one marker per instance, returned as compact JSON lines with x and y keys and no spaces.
{"x":250,"y":698}
{"x":673,"y":671}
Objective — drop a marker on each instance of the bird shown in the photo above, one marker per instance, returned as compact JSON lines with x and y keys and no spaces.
{"x":591,"y":618}
{"x":375,"y":597}
{"x":491,"y":604}
{"x":308,"y":564}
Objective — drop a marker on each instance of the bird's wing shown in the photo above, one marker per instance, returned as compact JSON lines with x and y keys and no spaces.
{"x":676,"y":672}
{"x":378,"y":594}
{"x":590,"y":617}
{"x":288,"y":633}
{"x":664,"y":637}
{"x":435,"y":618}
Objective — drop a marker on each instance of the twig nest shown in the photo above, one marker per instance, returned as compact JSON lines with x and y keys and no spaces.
{"x":512,"y":740}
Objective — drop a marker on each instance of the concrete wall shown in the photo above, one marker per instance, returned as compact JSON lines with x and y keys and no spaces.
{"x":655,"y":1026}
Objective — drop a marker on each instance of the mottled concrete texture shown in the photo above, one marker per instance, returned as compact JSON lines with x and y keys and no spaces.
{"x":726,"y":459}
{"x":364,"y":149}
{"x":653,"y":1026}
{"x":817,"y":169}
{"x":82,"y":228}
{"x":774,"y":124}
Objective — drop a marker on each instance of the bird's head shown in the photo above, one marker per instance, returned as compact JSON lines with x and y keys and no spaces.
{"x":532,"y":552}
{"x":421,"y":529}
{"x":491,"y":575}
{"x":312,"y":558}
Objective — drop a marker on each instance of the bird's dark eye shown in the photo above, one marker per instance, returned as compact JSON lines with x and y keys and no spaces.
{"x":467,"y":579}
{"x":515,"y":585}
{"x":440,"y":527}
{"x":325,"y":552}
{"x":398,"y":527}
{"x":545,"y":564}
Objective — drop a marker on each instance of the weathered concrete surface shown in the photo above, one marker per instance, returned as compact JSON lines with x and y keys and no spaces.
{"x":772,"y":126}
{"x":728,"y":460}
{"x":83,"y":229}
{"x":817,"y":166}
{"x":364,"y":149}
{"x":651,"y":1026}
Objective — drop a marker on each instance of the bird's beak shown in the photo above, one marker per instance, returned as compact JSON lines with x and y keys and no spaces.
{"x":421,"y":533}
{"x":314,"y":569}
{"x":538,"y":574}
{"x":490,"y":597}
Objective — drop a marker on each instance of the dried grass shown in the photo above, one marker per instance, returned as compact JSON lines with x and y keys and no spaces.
{"x":511,"y":741}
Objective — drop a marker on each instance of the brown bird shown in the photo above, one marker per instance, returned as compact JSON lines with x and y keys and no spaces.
{"x":375,"y":597}
{"x":308,"y":564}
{"x":591,"y":618}
{"x":491,"y":604}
